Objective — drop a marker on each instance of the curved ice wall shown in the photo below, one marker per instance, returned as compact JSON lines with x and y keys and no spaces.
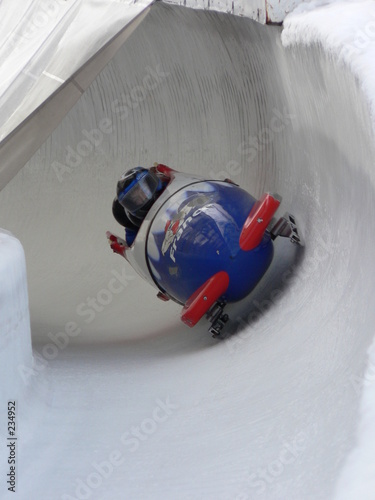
{"x":15,"y":340}
{"x":216,"y":94}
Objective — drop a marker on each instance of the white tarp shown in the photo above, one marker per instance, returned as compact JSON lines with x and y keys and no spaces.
{"x":45,"y":42}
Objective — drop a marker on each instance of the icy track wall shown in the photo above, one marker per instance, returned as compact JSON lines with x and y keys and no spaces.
{"x":217,"y":95}
{"x":15,"y":340}
{"x":15,"y":335}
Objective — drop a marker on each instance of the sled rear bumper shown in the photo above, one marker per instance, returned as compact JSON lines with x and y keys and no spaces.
{"x":204,"y":298}
{"x":257,"y":221}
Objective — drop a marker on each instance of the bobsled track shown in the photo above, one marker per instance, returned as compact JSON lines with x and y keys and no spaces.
{"x":133,"y":404}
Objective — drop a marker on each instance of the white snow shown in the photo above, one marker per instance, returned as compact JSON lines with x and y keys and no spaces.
{"x":346,"y":29}
{"x":15,"y":340}
{"x":155,"y":410}
{"x":15,"y":336}
{"x":357,"y":479}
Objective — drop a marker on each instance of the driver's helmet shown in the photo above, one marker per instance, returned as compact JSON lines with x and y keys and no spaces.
{"x":137,"y":189}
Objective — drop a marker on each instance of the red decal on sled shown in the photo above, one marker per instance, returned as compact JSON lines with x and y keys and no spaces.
{"x":117,"y":244}
{"x":166,"y":171}
{"x":257,"y":221}
{"x":201,"y":300}
{"x":173,"y":227}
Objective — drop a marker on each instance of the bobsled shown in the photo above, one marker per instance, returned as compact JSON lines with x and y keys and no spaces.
{"x":206,"y":243}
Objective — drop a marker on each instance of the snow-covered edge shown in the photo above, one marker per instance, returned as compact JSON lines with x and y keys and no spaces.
{"x":357,"y":479}
{"x":346,"y":30}
{"x":15,"y":333}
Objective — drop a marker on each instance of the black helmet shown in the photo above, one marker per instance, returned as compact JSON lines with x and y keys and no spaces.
{"x":136,"y":190}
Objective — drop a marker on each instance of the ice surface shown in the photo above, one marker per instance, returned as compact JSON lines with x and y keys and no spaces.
{"x":352,"y":40}
{"x":131,"y":404}
{"x":15,"y":341}
{"x":15,"y":335}
{"x":345,"y":29}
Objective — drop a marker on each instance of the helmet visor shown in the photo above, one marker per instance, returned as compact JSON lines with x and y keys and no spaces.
{"x":140,"y":192}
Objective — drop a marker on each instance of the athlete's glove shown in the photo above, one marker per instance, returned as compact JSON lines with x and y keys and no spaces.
{"x":117,"y":244}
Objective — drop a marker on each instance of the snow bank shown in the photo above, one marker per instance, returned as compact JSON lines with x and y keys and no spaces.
{"x":15,"y":336}
{"x":15,"y":354}
{"x":351,"y":40}
{"x":358,"y":476}
{"x":346,"y":30}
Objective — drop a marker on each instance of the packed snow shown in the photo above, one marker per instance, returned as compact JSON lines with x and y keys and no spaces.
{"x":160,"y":411}
{"x":347,"y":31}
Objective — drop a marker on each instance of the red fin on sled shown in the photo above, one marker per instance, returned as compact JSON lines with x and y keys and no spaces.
{"x":258,"y":220}
{"x":202,"y":300}
{"x":168,"y":172}
{"x":117,"y":244}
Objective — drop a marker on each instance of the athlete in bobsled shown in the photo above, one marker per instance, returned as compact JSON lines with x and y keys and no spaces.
{"x":200,"y":243}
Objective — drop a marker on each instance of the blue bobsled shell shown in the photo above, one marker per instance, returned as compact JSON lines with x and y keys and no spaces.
{"x":196,"y":234}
